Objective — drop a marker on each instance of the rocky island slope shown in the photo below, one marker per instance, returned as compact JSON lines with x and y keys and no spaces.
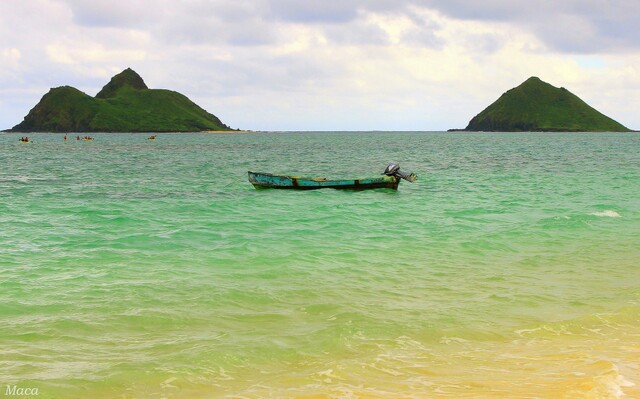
{"x":538,"y":106}
{"x":125,"y":104}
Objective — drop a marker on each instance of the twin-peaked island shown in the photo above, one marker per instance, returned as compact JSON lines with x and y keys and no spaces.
{"x":126,"y":104}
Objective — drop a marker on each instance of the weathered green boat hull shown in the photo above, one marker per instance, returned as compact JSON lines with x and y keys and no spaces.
{"x":268,"y":180}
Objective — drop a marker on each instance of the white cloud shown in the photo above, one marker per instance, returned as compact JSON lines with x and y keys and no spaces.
{"x":10,"y":58}
{"x":89,"y":52}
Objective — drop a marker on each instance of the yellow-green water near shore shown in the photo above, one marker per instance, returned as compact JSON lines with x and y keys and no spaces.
{"x":132,"y":268}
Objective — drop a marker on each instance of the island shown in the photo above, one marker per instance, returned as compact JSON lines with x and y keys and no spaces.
{"x":125,"y":104}
{"x":537,"y":106}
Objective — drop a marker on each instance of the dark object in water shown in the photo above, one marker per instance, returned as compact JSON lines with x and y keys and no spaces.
{"x":389,"y":179}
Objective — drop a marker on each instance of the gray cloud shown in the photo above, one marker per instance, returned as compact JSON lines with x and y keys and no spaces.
{"x":423,"y":33}
{"x":101,"y":13}
{"x":574,"y":26}
{"x":322,"y":11}
{"x":313,"y":11}
{"x":357,"y":33}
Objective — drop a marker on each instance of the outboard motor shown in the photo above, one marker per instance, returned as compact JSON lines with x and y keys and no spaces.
{"x":394,"y":170}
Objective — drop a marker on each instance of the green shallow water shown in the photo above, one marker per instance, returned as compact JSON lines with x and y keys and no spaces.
{"x":148,"y":269}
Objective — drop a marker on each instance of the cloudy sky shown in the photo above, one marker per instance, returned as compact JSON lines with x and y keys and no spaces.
{"x":326,"y":64}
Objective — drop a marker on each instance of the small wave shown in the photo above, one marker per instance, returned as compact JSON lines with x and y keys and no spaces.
{"x":607,"y":214}
{"x":610,"y":384}
{"x":22,"y":179}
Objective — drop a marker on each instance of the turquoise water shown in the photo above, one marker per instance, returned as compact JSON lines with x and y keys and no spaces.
{"x":132,"y":268}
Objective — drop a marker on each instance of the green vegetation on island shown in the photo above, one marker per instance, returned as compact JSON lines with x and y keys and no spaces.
{"x":125,"y":104}
{"x":538,"y":106}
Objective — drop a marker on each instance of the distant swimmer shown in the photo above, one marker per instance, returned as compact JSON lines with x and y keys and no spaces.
{"x":65,"y":137}
{"x":152,"y":137}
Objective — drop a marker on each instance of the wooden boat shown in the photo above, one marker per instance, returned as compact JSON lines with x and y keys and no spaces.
{"x":390,"y":179}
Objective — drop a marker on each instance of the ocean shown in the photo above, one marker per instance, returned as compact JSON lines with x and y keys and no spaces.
{"x":132,"y":268}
